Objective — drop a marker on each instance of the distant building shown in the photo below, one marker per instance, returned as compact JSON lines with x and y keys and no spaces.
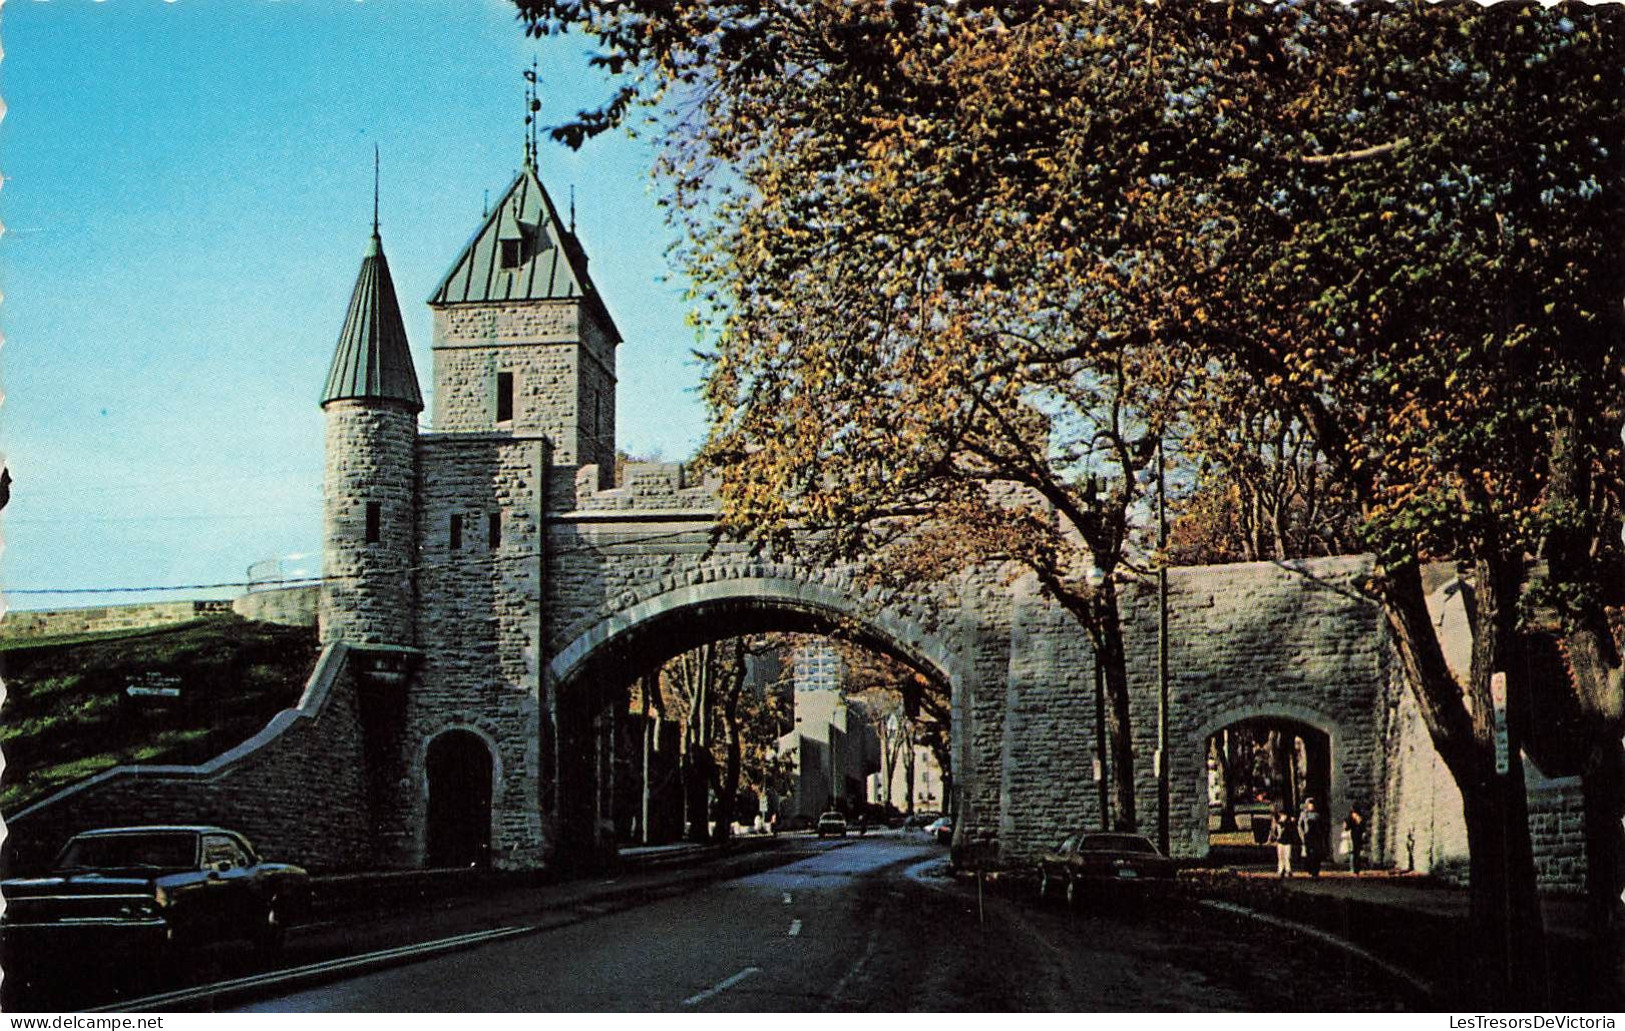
{"x":927,"y":774}
{"x":833,"y":749}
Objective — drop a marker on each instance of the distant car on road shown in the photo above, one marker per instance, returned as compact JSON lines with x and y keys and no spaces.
{"x":941,"y":829}
{"x":1101,"y":864}
{"x":919,"y":821}
{"x":832,"y":822}
{"x":153,"y":888}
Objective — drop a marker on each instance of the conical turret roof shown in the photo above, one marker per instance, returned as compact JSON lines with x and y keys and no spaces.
{"x":373,"y":360}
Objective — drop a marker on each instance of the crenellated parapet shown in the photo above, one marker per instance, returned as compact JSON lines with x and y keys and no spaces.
{"x":646,"y":486}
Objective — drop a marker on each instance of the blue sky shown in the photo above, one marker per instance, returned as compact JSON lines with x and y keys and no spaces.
{"x":187,"y":196}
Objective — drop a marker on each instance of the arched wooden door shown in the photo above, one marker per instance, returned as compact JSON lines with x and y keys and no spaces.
{"x":459,"y":817}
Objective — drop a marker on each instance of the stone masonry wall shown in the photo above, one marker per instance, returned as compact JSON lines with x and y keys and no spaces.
{"x":289,"y":606}
{"x":563,"y":369}
{"x":300,"y":796}
{"x":480,"y":606}
{"x":367,"y":589}
{"x":1557,"y":827}
{"x":1293,"y":640}
{"x":596,"y":403}
{"x":19,"y":625}
{"x":1047,"y":787}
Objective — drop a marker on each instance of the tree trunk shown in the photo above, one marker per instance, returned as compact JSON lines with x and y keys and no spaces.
{"x":1109,"y":646}
{"x":697,"y":792}
{"x":1604,"y":786}
{"x":1283,"y":778}
{"x":1504,"y":906}
{"x":1227,"y":785}
{"x":908,"y":771}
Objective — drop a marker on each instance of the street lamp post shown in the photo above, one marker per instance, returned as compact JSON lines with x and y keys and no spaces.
{"x":1162,"y":654}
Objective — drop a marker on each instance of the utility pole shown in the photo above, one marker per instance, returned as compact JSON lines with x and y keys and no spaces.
{"x":647,"y":688}
{"x":1101,"y":784}
{"x":1162,"y":653}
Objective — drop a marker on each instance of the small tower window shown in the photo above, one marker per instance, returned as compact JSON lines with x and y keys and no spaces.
{"x":375,"y":517}
{"x":456,"y":532}
{"x":496,"y":530}
{"x":516,"y":250}
{"x":504,"y":397}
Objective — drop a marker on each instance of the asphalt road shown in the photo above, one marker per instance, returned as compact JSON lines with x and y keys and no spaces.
{"x":865,"y":924}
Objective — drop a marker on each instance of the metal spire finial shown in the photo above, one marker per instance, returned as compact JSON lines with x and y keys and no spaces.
{"x":572,"y":209}
{"x":375,"y":189}
{"x":533,"y":104}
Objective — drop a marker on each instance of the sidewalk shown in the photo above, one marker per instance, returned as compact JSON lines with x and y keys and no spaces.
{"x":1419,"y":924}
{"x":1563,"y":915}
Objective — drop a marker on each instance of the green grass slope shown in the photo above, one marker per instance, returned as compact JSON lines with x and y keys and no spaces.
{"x":68,"y":714}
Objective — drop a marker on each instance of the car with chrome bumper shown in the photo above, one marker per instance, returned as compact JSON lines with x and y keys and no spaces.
{"x":152,"y":888}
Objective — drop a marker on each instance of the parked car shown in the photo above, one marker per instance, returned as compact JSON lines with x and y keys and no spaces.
{"x":1101,"y":864}
{"x":920,"y":821}
{"x":153,"y":888}
{"x":832,"y":822}
{"x":941,"y":830}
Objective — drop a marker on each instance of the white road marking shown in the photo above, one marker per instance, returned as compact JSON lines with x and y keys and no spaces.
{"x":787,"y":898}
{"x":299,"y":975}
{"x":721,"y":986}
{"x":795,"y":928}
{"x":839,"y":991}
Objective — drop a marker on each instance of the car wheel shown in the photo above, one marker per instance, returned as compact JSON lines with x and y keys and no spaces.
{"x":273,"y":930}
{"x":1071,"y":892}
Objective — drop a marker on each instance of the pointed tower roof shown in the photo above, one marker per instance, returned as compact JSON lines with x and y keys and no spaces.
{"x":522,"y":251}
{"x":373,"y":360}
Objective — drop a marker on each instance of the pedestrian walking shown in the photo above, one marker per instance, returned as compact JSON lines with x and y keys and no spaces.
{"x":1312,"y":832}
{"x":1354,"y":836}
{"x":1283,"y":835}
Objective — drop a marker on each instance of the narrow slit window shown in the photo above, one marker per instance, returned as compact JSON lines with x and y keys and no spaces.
{"x":513,"y":250}
{"x":375,"y":518}
{"x":456,"y":532}
{"x":496,"y":529}
{"x":504,"y":397}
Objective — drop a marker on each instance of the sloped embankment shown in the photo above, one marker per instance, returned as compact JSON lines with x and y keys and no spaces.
{"x":178,"y":694}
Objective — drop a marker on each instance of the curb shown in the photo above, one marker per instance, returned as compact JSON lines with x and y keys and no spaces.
{"x":1429,"y":991}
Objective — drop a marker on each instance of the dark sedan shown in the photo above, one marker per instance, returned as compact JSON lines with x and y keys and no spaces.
{"x":1102,"y":865}
{"x":151,"y":888}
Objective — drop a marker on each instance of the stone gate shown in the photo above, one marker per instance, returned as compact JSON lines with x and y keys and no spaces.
{"x":488,"y":591}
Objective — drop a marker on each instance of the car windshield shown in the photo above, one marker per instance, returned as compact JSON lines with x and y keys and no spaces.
{"x":170,"y":850}
{"x":1117,"y":843}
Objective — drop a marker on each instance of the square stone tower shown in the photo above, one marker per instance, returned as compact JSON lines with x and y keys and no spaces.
{"x":522,"y":342}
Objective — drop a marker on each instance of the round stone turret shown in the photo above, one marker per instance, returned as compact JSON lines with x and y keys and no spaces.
{"x":369,"y":509}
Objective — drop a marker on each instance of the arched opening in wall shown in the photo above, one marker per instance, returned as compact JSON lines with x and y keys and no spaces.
{"x":458,"y":825}
{"x":1255,"y":765}
{"x":744,"y":715}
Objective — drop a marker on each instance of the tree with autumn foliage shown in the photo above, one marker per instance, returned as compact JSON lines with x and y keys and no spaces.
{"x":897,"y":328}
{"x":965,"y":255}
{"x":1260,"y":488}
{"x":904,"y":708}
{"x":729,"y":731}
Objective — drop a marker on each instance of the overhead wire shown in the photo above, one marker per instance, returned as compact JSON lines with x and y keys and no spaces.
{"x":306,"y":581}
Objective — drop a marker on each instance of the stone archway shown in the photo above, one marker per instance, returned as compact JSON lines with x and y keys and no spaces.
{"x":459,"y":771}
{"x":1307,"y":748}
{"x":800,"y":604}
{"x":601,"y":658}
